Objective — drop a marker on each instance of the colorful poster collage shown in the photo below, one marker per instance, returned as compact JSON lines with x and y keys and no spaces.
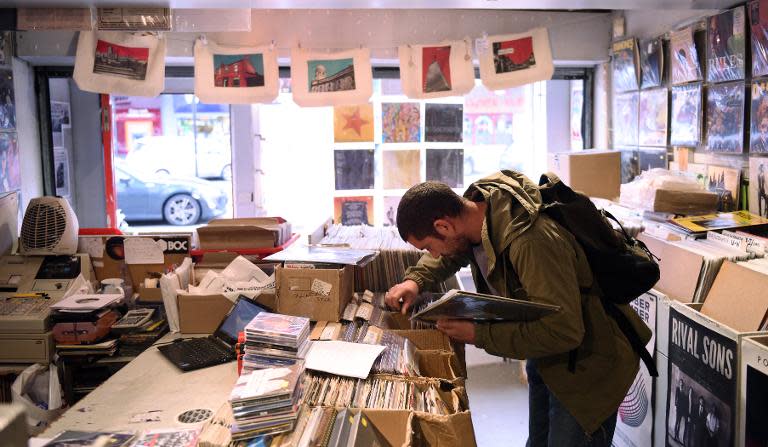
{"x":10,"y":163}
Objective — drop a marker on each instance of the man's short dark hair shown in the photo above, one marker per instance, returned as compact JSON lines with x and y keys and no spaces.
{"x":422,"y":205}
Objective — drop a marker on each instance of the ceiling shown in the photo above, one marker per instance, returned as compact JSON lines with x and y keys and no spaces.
{"x":396,"y":4}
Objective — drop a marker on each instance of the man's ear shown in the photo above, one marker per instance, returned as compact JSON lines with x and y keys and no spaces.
{"x":443,"y":227}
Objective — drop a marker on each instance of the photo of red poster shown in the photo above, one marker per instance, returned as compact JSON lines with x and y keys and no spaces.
{"x":436,"y":69}
{"x":513,"y":55}
{"x":117,"y":60}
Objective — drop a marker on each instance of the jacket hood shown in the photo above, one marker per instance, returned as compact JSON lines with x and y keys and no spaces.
{"x":507,"y":193}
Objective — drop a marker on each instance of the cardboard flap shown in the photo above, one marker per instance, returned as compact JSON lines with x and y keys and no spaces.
{"x":679,"y":268}
{"x":453,"y":430}
{"x":439,"y":364}
{"x":394,"y":425}
{"x":426,"y":339}
{"x":738,"y":298}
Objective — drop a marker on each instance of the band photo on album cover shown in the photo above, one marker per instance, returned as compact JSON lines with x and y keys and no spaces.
{"x":758,"y":20}
{"x":625,"y":65}
{"x":117,"y":60}
{"x":725,"y":46}
{"x":725,"y":117}
{"x":758,"y":129}
{"x":651,"y":63}
{"x":684,"y":59}
{"x":686,"y":116}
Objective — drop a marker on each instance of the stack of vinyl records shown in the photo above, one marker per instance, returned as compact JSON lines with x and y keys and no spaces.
{"x":334,"y":428}
{"x":275,"y":340}
{"x":395,"y":255}
{"x":265,"y":401}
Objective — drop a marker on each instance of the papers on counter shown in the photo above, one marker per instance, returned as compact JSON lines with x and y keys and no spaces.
{"x":356,"y":361}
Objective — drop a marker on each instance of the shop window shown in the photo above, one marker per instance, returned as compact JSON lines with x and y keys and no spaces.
{"x":172,"y":160}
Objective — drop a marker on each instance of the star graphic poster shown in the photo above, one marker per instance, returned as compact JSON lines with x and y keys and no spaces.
{"x":353,"y":124}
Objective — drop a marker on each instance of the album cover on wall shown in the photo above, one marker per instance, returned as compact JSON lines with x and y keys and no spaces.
{"x":725,"y":46}
{"x":512,"y":60}
{"x":684,"y":61}
{"x":353,"y":210}
{"x":758,"y":129}
{"x":447,"y":166}
{"x":651,"y":158}
{"x":725,"y":182}
{"x":235,"y":75}
{"x":10,"y":168}
{"x":625,"y":119}
{"x":390,"y":210}
{"x":701,"y":387}
{"x":326,"y":79}
{"x":653,"y":117}
{"x":626,"y":67}
{"x":354,"y":168}
{"x":758,"y":189}
{"x":436,"y":71}
{"x":758,"y":20}
{"x":444,"y":122}
{"x":353,"y":123}
{"x":651,"y":63}
{"x":725,"y":117}
{"x":7,"y":101}
{"x":686,"y":115}
{"x":120,"y":63}
{"x":630,"y":164}
{"x":400,"y":122}
{"x":401,"y":168}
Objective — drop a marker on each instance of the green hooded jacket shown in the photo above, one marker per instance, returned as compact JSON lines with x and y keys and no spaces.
{"x":531,"y":257}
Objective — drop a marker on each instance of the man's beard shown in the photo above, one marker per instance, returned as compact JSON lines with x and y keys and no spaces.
{"x":459,"y":245}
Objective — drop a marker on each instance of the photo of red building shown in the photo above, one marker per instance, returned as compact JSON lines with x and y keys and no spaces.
{"x":238,"y":70}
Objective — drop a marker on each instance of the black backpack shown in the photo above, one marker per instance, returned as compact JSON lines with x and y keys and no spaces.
{"x":623,"y":267}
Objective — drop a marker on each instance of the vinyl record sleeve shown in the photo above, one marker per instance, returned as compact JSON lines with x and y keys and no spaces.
{"x":651,"y":63}
{"x":653,"y":117}
{"x":329,"y":79}
{"x":725,"y":118}
{"x":437,"y":71}
{"x":625,"y":119}
{"x":758,"y":129}
{"x":758,"y":21}
{"x":686,"y":115}
{"x":512,"y":60}
{"x":758,"y":189}
{"x":482,"y":307}
{"x":235,"y":75}
{"x":119,"y":63}
{"x":725,"y":46}
{"x":684,"y":60}
{"x":625,"y":64}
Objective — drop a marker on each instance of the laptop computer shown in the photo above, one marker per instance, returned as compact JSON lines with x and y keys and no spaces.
{"x":195,"y":353}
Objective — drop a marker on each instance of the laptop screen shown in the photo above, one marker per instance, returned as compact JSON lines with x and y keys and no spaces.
{"x":241,"y":314}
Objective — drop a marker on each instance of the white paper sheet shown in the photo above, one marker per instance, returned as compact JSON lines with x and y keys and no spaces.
{"x":143,"y":250}
{"x":93,"y":245}
{"x":169,"y":287}
{"x":241,"y":269}
{"x":357,"y":360}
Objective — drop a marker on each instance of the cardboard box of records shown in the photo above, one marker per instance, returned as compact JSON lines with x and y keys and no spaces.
{"x":320,"y":294}
{"x":251,"y":232}
{"x":596,"y":173}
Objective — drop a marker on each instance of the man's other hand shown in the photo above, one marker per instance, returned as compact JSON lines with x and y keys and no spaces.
{"x":459,"y":330}
{"x":401,"y":296}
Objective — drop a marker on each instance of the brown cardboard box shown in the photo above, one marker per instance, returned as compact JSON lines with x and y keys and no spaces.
{"x":426,"y":339}
{"x":596,"y":173}
{"x":679,"y":269}
{"x":105,"y":263}
{"x":318,"y":294}
{"x":738,"y":298}
{"x":176,"y":248}
{"x":256,"y":232}
{"x":685,"y":202}
{"x":202,"y":314}
{"x":439,"y":364}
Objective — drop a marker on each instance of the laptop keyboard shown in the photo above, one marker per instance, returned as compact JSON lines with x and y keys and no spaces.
{"x":196,"y":353}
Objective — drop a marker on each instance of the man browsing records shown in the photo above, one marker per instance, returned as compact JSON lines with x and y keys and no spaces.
{"x":515,"y":251}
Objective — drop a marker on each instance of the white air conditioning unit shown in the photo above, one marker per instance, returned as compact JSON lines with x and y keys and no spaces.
{"x":49,"y":227}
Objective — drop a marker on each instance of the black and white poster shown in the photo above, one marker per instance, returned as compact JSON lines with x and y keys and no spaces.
{"x":651,"y":63}
{"x":447,"y":166}
{"x":354,"y":169}
{"x":725,"y":117}
{"x":686,"y":115}
{"x":725,"y":46}
{"x":634,"y":426}
{"x":625,"y":119}
{"x":701,"y":401}
{"x":444,"y":122}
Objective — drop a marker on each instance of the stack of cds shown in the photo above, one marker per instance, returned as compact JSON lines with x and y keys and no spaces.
{"x":265,"y":402}
{"x":275,"y":340}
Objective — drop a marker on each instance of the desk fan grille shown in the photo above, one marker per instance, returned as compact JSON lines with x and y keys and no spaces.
{"x":43,"y":226}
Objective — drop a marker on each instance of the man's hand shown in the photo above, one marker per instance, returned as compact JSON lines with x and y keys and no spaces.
{"x":401,"y":296}
{"x":460,"y":330}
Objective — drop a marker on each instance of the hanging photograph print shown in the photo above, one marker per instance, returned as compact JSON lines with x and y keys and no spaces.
{"x":725,"y":118}
{"x":625,"y":119}
{"x":446,"y":166}
{"x":511,"y":60}
{"x":758,"y":129}
{"x":7,"y":101}
{"x":400,"y":122}
{"x":10,"y":165}
{"x":353,"y":123}
{"x":758,"y":20}
{"x":353,"y":210}
{"x":725,"y":46}
{"x":686,"y":115}
{"x":702,"y":394}
{"x":725,"y":183}
{"x":235,"y":75}
{"x":444,"y":122}
{"x":651,"y":63}
{"x":354,"y":169}
{"x":625,"y":65}
{"x":401,"y":168}
{"x":327,"y":79}
{"x":684,"y":61}
{"x":653,"y":117}
{"x":758,"y":188}
{"x":120,"y":63}
{"x":436,"y":71}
